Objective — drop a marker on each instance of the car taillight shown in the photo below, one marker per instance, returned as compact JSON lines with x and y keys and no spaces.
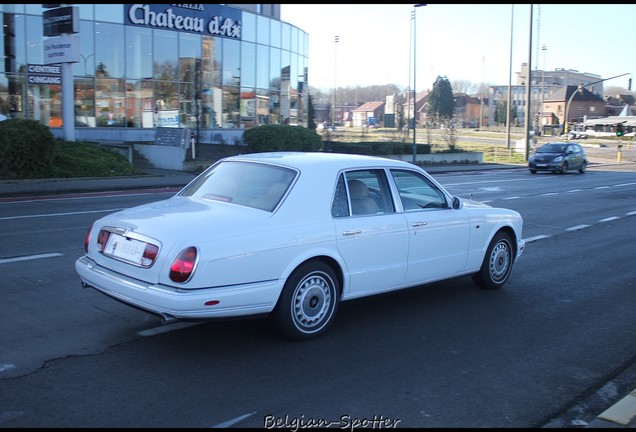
{"x":87,"y":238}
{"x":150,"y":253}
{"x":183,"y":266}
{"x":102,"y":238}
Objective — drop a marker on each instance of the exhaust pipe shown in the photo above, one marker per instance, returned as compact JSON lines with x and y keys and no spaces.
{"x":85,"y":285}
{"x":167,"y":319}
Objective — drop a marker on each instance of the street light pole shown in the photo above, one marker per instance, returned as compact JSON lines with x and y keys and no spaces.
{"x":408,"y":92}
{"x":481,"y":93}
{"x":414,"y":91}
{"x":544,"y":48}
{"x":333,"y":114}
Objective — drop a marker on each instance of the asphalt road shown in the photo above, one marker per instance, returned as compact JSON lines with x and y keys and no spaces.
{"x":550,"y":349}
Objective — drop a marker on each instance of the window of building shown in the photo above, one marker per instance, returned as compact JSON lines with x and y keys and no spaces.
{"x":86,"y":66}
{"x":231,"y":107}
{"x":285,"y":36}
{"x":110,"y":13}
{"x":139,"y":103}
{"x":109,"y":50}
{"x":85,"y":102}
{"x":274,"y":68}
{"x":263,"y":31}
{"x":262,"y":71}
{"x":248,"y":64}
{"x":248,"y":107}
{"x":138,"y":52}
{"x":164,"y":62}
{"x":231,"y":62}
{"x":248,"y":27}
{"x":275,"y":36}
{"x":109,"y":101}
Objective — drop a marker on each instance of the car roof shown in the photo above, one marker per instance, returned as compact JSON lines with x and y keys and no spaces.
{"x":320,"y":160}
{"x":562,"y":143}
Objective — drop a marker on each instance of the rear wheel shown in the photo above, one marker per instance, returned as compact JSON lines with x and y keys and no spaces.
{"x":308,"y":303}
{"x":497,"y":263}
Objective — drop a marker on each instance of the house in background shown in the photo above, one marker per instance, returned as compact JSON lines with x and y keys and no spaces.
{"x":371,"y":110}
{"x":584,"y":104}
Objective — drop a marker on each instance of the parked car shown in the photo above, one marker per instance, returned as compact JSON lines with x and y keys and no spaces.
{"x":574,"y":135}
{"x":558,"y":157}
{"x":290,"y":235}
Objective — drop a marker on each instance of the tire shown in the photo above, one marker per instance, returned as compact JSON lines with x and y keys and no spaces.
{"x":583,"y":167}
{"x":564,"y":168}
{"x":497,"y":263}
{"x":308,"y":303}
{"x":532,"y":171}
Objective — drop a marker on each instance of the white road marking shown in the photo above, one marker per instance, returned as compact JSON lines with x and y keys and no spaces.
{"x":609,"y":219}
{"x":29,"y":257}
{"x":233,"y":421}
{"x":538,"y":237}
{"x":577,"y":227}
{"x":58,"y":214}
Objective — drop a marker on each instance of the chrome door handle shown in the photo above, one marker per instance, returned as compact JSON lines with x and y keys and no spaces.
{"x":348,"y":233}
{"x":417,"y":224}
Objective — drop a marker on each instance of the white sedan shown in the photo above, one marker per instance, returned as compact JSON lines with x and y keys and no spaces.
{"x":291,"y":235}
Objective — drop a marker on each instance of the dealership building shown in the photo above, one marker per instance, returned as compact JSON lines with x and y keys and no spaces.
{"x":139,"y":68}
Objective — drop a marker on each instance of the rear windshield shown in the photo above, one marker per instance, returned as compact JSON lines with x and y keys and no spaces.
{"x":552,"y":148}
{"x":255,"y":185}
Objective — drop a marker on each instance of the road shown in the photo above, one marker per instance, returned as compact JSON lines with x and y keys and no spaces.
{"x":442,"y":355}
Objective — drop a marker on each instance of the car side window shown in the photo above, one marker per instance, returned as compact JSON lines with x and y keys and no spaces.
{"x":340,"y":204}
{"x":417,"y":192}
{"x":368,"y":192}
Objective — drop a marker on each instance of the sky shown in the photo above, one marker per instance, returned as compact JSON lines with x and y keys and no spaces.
{"x":467,"y":42}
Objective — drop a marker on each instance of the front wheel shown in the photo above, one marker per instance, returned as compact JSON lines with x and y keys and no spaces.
{"x":583,"y":167}
{"x":308,"y":302}
{"x":564,"y":168}
{"x":497,"y":263}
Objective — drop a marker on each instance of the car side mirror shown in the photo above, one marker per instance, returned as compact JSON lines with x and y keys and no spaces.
{"x":457,"y":203}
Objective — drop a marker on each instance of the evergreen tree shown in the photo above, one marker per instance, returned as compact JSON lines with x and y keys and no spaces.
{"x":440,"y":103}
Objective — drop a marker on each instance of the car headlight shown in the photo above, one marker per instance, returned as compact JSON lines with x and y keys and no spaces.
{"x":558,"y":159}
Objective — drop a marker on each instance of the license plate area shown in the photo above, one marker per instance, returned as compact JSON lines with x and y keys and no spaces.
{"x":542,"y":165}
{"x":125,"y":249}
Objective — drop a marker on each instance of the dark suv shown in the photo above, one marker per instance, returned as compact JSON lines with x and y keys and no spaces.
{"x":558,"y":157}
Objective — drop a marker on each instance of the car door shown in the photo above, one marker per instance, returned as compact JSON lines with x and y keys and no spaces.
{"x":373,"y":243}
{"x":573,"y":154}
{"x":438,"y":234}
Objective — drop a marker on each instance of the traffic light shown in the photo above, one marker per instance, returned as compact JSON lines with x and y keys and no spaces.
{"x":619,"y":129}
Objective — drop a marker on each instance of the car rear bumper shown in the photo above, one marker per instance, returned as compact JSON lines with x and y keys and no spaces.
{"x":241,"y":300}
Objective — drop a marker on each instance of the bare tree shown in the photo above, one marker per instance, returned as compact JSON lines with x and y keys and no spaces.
{"x":464,"y":86}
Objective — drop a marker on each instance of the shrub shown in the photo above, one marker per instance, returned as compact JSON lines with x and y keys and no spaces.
{"x":27,"y":148}
{"x":86,"y":159}
{"x":281,"y":138}
{"x":376,"y":148}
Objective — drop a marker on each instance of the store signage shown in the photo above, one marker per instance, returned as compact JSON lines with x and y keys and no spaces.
{"x":64,"y":20}
{"x":44,"y":74}
{"x":61,"y":49}
{"x":214,"y":20}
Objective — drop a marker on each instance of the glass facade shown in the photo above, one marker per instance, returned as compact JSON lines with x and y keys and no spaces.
{"x":205,"y":66}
